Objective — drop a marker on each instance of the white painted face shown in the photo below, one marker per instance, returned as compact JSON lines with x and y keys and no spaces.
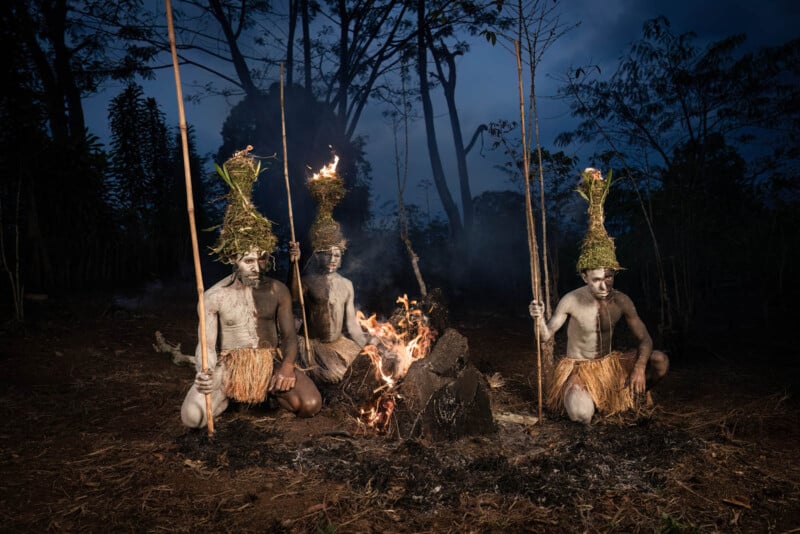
{"x":599,"y":281}
{"x":247,"y":268}
{"x":330,"y":260}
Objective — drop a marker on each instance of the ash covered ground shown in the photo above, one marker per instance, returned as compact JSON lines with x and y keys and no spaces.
{"x":93,"y":443}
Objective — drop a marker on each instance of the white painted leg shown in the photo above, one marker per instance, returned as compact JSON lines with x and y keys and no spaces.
{"x":579,"y":404}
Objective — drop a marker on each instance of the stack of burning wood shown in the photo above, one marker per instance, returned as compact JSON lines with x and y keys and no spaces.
{"x":410,"y":382}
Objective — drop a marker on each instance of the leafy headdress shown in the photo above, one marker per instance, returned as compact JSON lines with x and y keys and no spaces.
{"x":244,"y":229}
{"x":327,"y":190}
{"x":597,"y":248}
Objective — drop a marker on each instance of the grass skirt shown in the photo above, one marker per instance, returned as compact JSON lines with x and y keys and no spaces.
{"x":247,"y":373}
{"x":604,"y":378}
{"x":328,"y":362}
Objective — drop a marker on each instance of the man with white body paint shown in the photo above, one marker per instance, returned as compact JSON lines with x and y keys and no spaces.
{"x":249,"y":310}
{"x":593,"y":310}
{"x":592,"y":376}
{"x":329,"y":298}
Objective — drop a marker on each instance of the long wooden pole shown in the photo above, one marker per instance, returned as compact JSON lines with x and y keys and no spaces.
{"x":201,"y":308}
{"x":533,"y":248}
{"x":291,"y":219}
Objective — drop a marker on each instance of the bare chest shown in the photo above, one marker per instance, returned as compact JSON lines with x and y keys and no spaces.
{"x":599,"y":315}
{"x":325,"y":291}
{"x":238,"y":307}
{"x":247,"y":318}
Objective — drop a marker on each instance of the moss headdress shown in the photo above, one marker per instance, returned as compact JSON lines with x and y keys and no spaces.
{"x":244,"y":229}
{"x":597,"y":248}
{"x":327,"y":190}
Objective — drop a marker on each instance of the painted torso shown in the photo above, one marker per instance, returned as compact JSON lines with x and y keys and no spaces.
{"x":591,"y":322}
{"x":246,"y":315}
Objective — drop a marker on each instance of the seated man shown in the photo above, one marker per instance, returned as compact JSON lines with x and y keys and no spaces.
{"x":249,"y":310}
{"x":592,"y":376}
{"x":336,"y":336}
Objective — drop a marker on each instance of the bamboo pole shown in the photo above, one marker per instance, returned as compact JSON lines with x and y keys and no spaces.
{"x":533,"y":248}
{"x":291,"y":220}
{"x":201,"y":308}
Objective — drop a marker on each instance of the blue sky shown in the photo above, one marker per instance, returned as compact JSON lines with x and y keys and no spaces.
{"x":487,"y":89}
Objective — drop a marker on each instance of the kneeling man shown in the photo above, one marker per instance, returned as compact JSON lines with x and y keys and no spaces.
{"x":592,"y":376}
{"x":248,"y":310}
{"x":248,"y":314}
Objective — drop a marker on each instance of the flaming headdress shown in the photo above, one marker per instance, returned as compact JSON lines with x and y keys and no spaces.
{"x":597,"y":248}
{"x":243,"y":228}
{"x":327,"y":190}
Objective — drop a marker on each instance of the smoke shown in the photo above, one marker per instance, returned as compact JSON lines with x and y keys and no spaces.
{"x":374,"y":262}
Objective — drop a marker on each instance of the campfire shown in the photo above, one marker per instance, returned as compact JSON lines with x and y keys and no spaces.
{"x":392,"y":349}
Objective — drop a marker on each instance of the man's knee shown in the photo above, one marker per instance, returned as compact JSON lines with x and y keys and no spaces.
{"x":579,"y":404}
{"x":193,"y":410}
{"x":300,"y":403}
{"x":192,"y":415}
{"x":659,"y":364}
{"x":310,"y":406}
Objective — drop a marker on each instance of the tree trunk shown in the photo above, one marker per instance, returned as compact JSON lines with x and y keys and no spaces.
{"x":450,"y":208}
{"x":239,"y":62}
{"x":40,"y":272}
{"x":448,"y":81}
{"x":344,"y":61}
{"x":290,"y":42}
{"x":306,"y":45}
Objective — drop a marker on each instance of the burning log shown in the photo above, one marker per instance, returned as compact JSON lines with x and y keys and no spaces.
{"x":405,"y":389}
{"x":433,"y":307}
{"x":444,"y":396}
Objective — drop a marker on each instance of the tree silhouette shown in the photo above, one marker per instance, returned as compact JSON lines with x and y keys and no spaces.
{"x":695,"y":132}
{"x":146,"y":188}
{"x":58,"y":52}
{"x":313,"y":135}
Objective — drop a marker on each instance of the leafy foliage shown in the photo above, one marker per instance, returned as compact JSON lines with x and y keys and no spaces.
{"x":697,"y":134}
{"x":146,"y":188}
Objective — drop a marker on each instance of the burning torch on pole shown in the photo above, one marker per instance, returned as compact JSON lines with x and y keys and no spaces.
{"x":190,"y":209}
{"x":533,"y":246}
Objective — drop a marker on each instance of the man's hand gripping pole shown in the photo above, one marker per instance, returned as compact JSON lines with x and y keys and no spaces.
{"x":190,"y":209}
{"x":533,"y":246}
{"x":296,"y":265}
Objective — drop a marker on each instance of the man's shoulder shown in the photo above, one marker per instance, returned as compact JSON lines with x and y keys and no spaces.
{"x":576,"y":295}
{"x":341,"y":280}
{"x":274,"y":285}
{"x":623,"y":300}
{"x":213,"y":296}
{"x":220,"y":287}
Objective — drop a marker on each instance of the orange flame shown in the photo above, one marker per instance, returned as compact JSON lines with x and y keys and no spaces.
{"x":328,"y":171}
{"x":392,"y":353}
{"x":391,"y":348}
{"x":380,"y":415}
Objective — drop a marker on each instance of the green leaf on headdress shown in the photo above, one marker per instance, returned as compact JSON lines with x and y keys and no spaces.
{"x":244,"y":229}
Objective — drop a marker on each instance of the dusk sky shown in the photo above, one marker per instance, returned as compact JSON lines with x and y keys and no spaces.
{"x":487,"y":89}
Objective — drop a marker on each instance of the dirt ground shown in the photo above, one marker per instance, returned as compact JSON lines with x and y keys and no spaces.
{"x":92,"y":442}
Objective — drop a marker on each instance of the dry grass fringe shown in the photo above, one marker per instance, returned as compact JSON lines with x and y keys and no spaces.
{"x":329,"y":362}
{"x":604,"y":379}
{"x":247,"y":373}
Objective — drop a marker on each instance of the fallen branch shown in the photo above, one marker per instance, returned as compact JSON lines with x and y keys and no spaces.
{"x":178,"y":358}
